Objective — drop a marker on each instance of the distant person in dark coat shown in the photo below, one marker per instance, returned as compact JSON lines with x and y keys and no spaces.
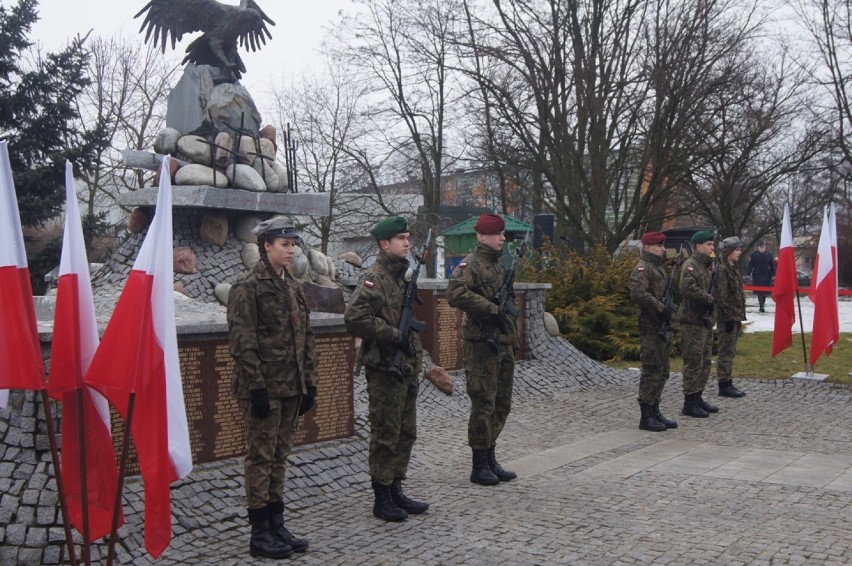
{"x":761,"y":268}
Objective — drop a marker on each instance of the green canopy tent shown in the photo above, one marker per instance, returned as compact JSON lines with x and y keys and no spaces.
{"x":459,"y":240}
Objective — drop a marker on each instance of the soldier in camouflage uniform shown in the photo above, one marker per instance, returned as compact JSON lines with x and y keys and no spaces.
{"x":696,"y":319}
{"x":647,"y":286}
{"x":373,"y":315}
{"x":272,"y":344}
{"x":489,"y":376}
{"x":730,"y":312}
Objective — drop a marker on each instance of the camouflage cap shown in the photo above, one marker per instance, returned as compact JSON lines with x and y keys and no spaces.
{"x":277,"y":227}
{"x":701,"y":237}
{"x":389,"y":227}
{"x":732,"y":242}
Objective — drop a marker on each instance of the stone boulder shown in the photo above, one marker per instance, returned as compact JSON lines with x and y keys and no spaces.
{"x":196,"y":149}
{"x":283,"y":183}
{"x":184,"y":260}
{"x":351,"y":258}
{"x":221,"y":292}
{"x":138,"y":221}
{"x":250,"y":255}
{"x":267,"y":173}
{"x":230,"y":105}
{"x":166,"y":141}
{"x":247,"y":150}
{"x":243,"y":227}
{"x":318,"y":262}
{"x":195,"y":174}
{"x":550,"y":324}
{"x":214,"y":228}
{"x":440,"y":378}
{"x":224,"y":147}
{"x":268,"y":132}
{"x":173,"y":168}
{"x":299,"y":267}
{"x":244,"y":177}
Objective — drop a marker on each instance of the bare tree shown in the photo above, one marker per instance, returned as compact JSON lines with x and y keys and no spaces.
{"x":324,"y":113}
{"x":596,"y":98}
{"x":401,"y":50}
{"x":754,"y":143}
{"x":129,"y":89}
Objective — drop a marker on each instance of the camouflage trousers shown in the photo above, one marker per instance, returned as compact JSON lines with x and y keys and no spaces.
{"x":696,"y":344}
{"x":727,"y":351}
{"x":270,"y":441}
{"x":393,"y":424}
{"x":655,"y":356}
{"x":489,"y":385}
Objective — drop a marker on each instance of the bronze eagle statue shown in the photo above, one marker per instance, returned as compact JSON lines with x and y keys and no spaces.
{"x":223,"y":26}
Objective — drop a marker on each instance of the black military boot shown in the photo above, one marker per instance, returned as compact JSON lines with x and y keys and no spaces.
{"x":691,"y":408}
{"x":402,"y":501}
{"x":497,"y":469}
{"x":706,"y":406}
{"x":659,"y":416}
{"x":648,"y":421}
{"x":262,"y":542}
{"x":727,"y":389}
{"x":280,"y":532}
{"x":384,"y":508}
{"x":481,"y":472}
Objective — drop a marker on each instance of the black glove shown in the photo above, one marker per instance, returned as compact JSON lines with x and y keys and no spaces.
{"x":307,"y":401}
{"x":260,"y":402}
{"x":729,"y":326}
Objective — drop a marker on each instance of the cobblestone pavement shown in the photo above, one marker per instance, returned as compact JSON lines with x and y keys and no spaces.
{"x":768,"y":480}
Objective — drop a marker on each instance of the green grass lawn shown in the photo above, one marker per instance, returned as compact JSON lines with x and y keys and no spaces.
{"x":754,"y":359}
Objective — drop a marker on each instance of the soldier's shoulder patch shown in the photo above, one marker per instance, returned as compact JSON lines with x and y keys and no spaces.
{"x":690,"y":268}
{"x":462,"y":265}
{"x":640,"y":268}
{"x":368,"y":283}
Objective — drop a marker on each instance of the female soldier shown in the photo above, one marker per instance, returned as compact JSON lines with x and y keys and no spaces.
{"x":730,"y":312}
{"x":272,"y":344}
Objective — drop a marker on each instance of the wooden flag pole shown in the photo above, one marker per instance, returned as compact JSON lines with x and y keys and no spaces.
{"x":54,"y":452}
{"x":122,"y":470}
{"x":84,"y":480}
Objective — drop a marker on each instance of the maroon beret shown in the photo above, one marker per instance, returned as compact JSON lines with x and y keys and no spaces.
{"x":652,"y":238}
{"x":490,"y":224}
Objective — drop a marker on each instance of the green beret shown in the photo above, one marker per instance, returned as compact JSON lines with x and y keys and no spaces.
{"x":389,"y":227}
{"x":701,"y":237}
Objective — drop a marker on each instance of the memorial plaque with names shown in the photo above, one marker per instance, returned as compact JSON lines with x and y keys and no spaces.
{"x":214,"y":417}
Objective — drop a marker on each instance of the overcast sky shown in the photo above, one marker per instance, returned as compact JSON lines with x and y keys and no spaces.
{"x":298,"y":32}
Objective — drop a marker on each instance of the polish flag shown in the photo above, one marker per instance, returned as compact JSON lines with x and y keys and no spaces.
{"x":20,"y":349}
{"x":138,"y":356}
{"x":826,"y":326}
{"x":786,"y":283}
{"x":85,"y":412}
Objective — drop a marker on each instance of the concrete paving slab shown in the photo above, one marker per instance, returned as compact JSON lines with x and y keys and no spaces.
{"x":642,"y":459}
{"x":704,"y":458}
{"x":559,"y":456}
{"x":814,"y":470}
{"x":755,"y":465}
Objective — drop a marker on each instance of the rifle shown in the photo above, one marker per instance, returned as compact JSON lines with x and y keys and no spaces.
{"x":668,"y":299}
{"x":714,"y":282}
{"x":504,"y":299}
{"x":407,"y":322}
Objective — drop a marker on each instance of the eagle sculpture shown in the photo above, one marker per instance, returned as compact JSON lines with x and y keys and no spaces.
{"x":222,"y":25}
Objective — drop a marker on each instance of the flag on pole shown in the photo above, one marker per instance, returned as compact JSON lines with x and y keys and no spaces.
{"x":75,"y":339}
{"x":786,"y":283}
{"x":138,"y":355}
{"x":826,"y":325}
{"x":19,"y":345}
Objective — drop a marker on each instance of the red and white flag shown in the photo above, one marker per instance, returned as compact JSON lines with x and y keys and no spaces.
{"x":826,"y":327}
{"x":138,"y":354}
{"x":75,"y":339}
{"x":20,"y":349}
{"x":784,"y":292}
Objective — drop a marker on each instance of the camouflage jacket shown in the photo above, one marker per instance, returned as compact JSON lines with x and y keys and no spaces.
{"x":696,"y":301}
{"x":647,"y":287}
{"x":473,"y":284}
{"x":373,"y":315}
{"x":270,"y":335}
{"x":730,"y":298}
